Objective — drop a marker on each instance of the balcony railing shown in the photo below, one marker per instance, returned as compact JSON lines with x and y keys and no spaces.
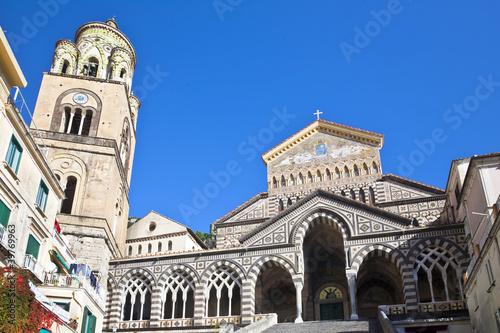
{"x":34,"y":267}
{"x":65,"y":280}
{"x":4,"y":238}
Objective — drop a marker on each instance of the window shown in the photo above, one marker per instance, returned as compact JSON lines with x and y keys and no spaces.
{"x":63,"y":305}
{"x":67,"y":203}
{"x":301,"y":179}
{"x":130,"y":251}
{"x":309,"y":178}
{"x":223,"y":293}
{"x":159,"y":246}
{"x":33,"y":247}
{"x":137,"y":304}
{"x":122,"y":73}
{"x":275,"y":183}
{"x":292,"y":180}
{"x":139,"y":249}
{"x":283,"y":181}
{"x":280,"y":205}
{"x":356,"y":171}
{"x":178,"y":296}
{"x":93,"y":67}
{"x":353,"y":195}
{"x":14,"y":154}
{"x":43,"y":194}
{"x":65,"y":66}
{"x":328,"y":175}
{"x":88,"y":321}
{"x":362,"y":195}
{"x":491,"y":278}
{"x":150,"y":248}
{"x":371,"y":195}
{"x":289,"y":202}
{"x":318,"y":176}
{"x":457,"y":193}
{"x":337,"y":173}
{"x":170,"y":245}
{"x":4,"y":214}
{"x":365,"y":169}
{"x":374,"y":168}
{"x":346,"y":172}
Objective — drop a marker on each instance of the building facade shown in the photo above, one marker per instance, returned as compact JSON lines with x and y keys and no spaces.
{"x":332,"y":238}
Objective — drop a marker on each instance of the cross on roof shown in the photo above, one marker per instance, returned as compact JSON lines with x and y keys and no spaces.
{"x":317,"y":113}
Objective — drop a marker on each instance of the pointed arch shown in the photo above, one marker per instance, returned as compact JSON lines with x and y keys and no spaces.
{"x":328,"y":174}
{"x":320,"y":216}
{"x":289,"y":202}
{"x":319,"y":177}
{"x":375,"y":168}
{"x":371,"y":195}
{"x":365,"y":169}
{"x":310,"y":178}
{"x":355,"y":171}
{"x":337,"y":173}
{"x":292,"y":180}
{"x":267,"y":262}
{"x":362,"y":196}
{"x":301,"y":178}
{"x":283,"y":181}
{"x":346,"y":172}
{"x":176,"y":267}
{"x":275,"y":182}
{"x":281,"y":206}
{"x":352,"y":194}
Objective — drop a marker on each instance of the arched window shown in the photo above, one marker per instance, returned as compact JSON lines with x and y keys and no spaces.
{"x":328,"y":175}
{"x":92,"y":67}
{"x":75,"y":119}
{"x":139,"y":249}
{"x":362,"y":195}
{"x":137,"y":299}
{"x":177,"y":297}
{"x":292,"y":180}
{"x":275,"y":183}
{"x":170,"y":245}
{"x":289,"y":202}
{"x":318,"y":176}
{"x":346,"y":172}
{"x":87,"y":121}
{"x":280,"y":205}
{"x":130,"y":251}
{"x":365,"y":169}
{"x":371,"y":195}
{"x":374,"y":168}
{"x":337,"y":173}
{"x":125,"y":143}
{"x":150,"y":248}
{"x":283,"y":181}
{"x":223,"y":293}
{"x":123,"y":72}
{"x":438,"y":275}
{"x":298,"y":199}
{"x":159,"y":246}
{"x":309,"y":178}
{"x":353,"y":195}
{"x":301,"y":179}
{"x":342,"y":193}
{"x":69,"y":192}
{"x":65,"y":67}
{"x":356,"y":171}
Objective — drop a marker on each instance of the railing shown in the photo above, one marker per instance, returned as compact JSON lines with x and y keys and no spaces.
{"x":64,"y":280}
{"x":47,"y":303}
{"x":4,"y":238}
{"x":432,"y":310}
{"x":34,"y":266}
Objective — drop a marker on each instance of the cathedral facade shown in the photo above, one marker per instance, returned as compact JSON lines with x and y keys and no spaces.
{"x":332,"y":238}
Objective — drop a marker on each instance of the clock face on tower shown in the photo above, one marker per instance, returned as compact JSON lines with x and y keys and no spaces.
{"x":80,"y":98}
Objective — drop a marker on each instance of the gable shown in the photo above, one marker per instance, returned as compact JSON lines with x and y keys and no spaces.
{"x":162,"y":226}
{"x":397,"y":189}
{"x":257,"y":210}
{"x":355,"y":219}
{"x":323,"y":148}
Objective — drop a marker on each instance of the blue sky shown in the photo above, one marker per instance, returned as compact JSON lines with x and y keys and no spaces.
{"x":424,"y":73}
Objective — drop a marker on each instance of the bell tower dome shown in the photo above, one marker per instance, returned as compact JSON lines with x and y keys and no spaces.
{"x":85,"y":118}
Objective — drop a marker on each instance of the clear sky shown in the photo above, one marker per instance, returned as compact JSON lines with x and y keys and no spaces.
{"x":212,"y":76}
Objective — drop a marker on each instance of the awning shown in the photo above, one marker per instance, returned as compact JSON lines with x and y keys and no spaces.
{"x":61,"y":260}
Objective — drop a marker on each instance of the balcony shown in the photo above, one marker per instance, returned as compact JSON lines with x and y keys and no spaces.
{"x":71,"y":281}
{"x":4,"y":240}
{"x":31,"y":264}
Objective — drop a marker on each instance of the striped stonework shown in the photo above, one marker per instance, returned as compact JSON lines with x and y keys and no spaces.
{"x":319,"y":217}
{"x":112,"y":306}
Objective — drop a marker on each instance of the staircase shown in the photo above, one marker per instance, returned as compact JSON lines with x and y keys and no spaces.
{"x":333,"y":326}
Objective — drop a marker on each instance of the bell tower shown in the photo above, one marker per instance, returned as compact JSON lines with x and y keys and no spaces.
{"x":85,"y":118}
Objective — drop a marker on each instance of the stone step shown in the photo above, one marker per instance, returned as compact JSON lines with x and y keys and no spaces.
{"x":328,"y":326}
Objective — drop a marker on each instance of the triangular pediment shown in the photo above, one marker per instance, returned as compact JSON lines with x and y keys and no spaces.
{"x":355,"y":218}
{"x":323,"y":141}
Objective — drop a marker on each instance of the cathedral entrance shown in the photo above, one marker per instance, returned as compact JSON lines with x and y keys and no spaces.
{"x":379,"y":283}
{"x":325,"y":291}
{"x":275,"y":292}
{"x":331,"y":311}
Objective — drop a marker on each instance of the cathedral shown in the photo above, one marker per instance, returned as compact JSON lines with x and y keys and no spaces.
{"x":333,"y":238}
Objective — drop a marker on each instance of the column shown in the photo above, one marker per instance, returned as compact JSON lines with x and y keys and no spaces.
{"x":298,"y":290}
{"x":351,"y":279}
{"x":70,"y":123}
{"x":81,"y":123}
{"x":247,"y":301}
{"x":199,"y":304}
{"x":156,"y":307}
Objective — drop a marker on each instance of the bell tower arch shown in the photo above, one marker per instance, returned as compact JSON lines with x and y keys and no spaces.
{"x":85,"y":116}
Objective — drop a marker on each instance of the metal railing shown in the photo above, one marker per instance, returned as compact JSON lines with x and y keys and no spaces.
{"x":34,"y":266}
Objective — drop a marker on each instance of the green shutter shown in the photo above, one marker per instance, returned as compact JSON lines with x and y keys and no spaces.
{"x":33,"y":247}
{"x":14,"y":154}
{"x":85,"y":320}
{"x":92,"y":322}
{"x":42,"y":195}
{"x":4,"y":214}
